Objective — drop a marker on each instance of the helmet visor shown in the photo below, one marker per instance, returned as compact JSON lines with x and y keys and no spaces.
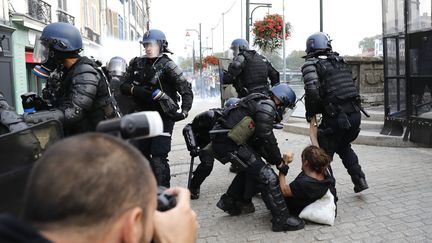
{"x":283,"y":114}
{"x":152,"y":48}
{"x":41,"y":51}
{"x":235,"y":50}
{"x":117,"y":67}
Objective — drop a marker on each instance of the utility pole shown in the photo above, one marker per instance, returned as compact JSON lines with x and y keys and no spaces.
{"x":201,"y":62}
{"x":247,"y":20}
{"x":223,"y":33}
{"x":249,"y":15}
{"x":200,"y":55}
{"x":283,"y":40}
{"x":321,"y":15}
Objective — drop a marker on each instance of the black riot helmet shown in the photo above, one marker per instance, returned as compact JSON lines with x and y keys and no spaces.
{"x":117,"y":66}
{"x":286,"y":95}
{"x":239,"y":45}
{"x":58,"y":41}
{"x":156,"y":36}
{"x":319,"y":41}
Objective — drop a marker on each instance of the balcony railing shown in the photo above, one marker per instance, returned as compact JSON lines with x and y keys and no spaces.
{"x":40,"y":10}
{"x":65,"y":18}
{"x":89,"y":33}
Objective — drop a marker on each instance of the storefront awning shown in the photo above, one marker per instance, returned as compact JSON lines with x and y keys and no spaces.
{"x":29,"y":57}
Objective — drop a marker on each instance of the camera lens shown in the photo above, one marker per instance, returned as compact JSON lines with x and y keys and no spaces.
{"x":165,"y":201}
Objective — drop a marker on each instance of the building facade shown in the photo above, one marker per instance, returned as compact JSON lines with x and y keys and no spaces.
{"x":99,"y":21}
{"x":6,"y":54}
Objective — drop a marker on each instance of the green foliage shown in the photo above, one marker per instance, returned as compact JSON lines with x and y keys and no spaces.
{"x":185,"y":63}
{"x":368,"y":43}
{"x":275,"y":59}
{"x":295,"y":60}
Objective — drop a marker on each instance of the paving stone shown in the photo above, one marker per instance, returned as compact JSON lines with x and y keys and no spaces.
{"x":396,"y":207}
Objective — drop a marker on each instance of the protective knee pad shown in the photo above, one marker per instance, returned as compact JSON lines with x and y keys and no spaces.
{"x":206,"y":158}
{"x":271,"y":193}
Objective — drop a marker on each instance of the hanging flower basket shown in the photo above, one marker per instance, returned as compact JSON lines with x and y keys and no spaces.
{"x":211,"y":60}
{"x":268,"y":32}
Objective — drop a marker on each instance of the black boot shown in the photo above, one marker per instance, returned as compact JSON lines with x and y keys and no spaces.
{"x":246,"y":206}
{"x":233,"y":169}
{"x":287,"y":222}
{"x":360,"y":184}
{"x":229,"y":205}
{"x":195,"y":193}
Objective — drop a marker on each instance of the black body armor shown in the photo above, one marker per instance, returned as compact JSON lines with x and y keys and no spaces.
{"x":147,"y":75}
{"x":262,"y":110}
{"x":249,"y":72}
{"x":203,"y":123}
{"x":86,"y":98}
{"x":328,"y":86}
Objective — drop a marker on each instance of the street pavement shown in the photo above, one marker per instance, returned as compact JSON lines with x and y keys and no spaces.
{"x":397,"y":207}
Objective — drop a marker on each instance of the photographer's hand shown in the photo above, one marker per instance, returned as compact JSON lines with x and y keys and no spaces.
{"x":178,"y":224}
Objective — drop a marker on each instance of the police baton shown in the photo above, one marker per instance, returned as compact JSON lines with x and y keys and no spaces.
{"x":364,"y":111}
{"x":190,"y":171}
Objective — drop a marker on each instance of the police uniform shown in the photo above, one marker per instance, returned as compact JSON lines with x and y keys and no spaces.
{"x":330,"y":91}
{"x":201,"y":125}
{"x":262,"y":112}
{"x":82,"y":98}
{"x":146,"y":75}
{"x":248,"y":72}
{"x":86,"y":100}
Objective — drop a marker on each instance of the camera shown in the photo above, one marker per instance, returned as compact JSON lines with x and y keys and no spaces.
{"x":144,"y":124}
{"x":165,"y":201}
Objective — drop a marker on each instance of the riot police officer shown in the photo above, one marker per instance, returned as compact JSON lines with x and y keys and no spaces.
{"x":199,"y":128}
{"x":249,"y":71}
{"x":153,"y":81}
{"x":83,"y":97}
{"x":10,"y":121}
{"x":251,"y":121}
{"x":330,"y":91}
{"x":116,"y":70}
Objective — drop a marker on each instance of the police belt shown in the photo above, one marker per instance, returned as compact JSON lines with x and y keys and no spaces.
{"x":331,"y":110}
{"x":258,"y":88}
{"x":349,"y":107}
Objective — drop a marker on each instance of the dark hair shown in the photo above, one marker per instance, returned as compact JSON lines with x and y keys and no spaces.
{"x":317,"y":158}
{"x":85,"y":180}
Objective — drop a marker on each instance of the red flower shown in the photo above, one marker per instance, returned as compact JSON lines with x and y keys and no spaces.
{"x":268,"y":32}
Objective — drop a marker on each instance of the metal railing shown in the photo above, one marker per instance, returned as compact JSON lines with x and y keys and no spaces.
{"x":89,"y":33}
{"x":65,"y":17}
{"x":39,"y":10}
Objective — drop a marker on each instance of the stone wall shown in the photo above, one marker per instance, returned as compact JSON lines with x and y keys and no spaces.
{"x":369,"y":74}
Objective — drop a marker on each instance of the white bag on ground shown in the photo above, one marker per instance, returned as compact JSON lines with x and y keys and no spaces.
{"x":322,"y":211}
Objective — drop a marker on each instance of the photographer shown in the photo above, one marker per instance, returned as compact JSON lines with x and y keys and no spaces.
{"x":97,"y":188}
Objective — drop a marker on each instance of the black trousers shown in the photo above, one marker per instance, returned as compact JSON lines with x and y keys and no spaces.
{"x":156,"y":150}
{"x":333,"y":140}
{"x":245,"y":183}
{"x":204,"y":169}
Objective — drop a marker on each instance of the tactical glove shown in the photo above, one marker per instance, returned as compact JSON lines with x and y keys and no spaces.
{"x":194,"y":152}
{"x":167,"y":104}
{"x":125,"y":88}
{"x":283,"y":168}
{"x":178,"y":116}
